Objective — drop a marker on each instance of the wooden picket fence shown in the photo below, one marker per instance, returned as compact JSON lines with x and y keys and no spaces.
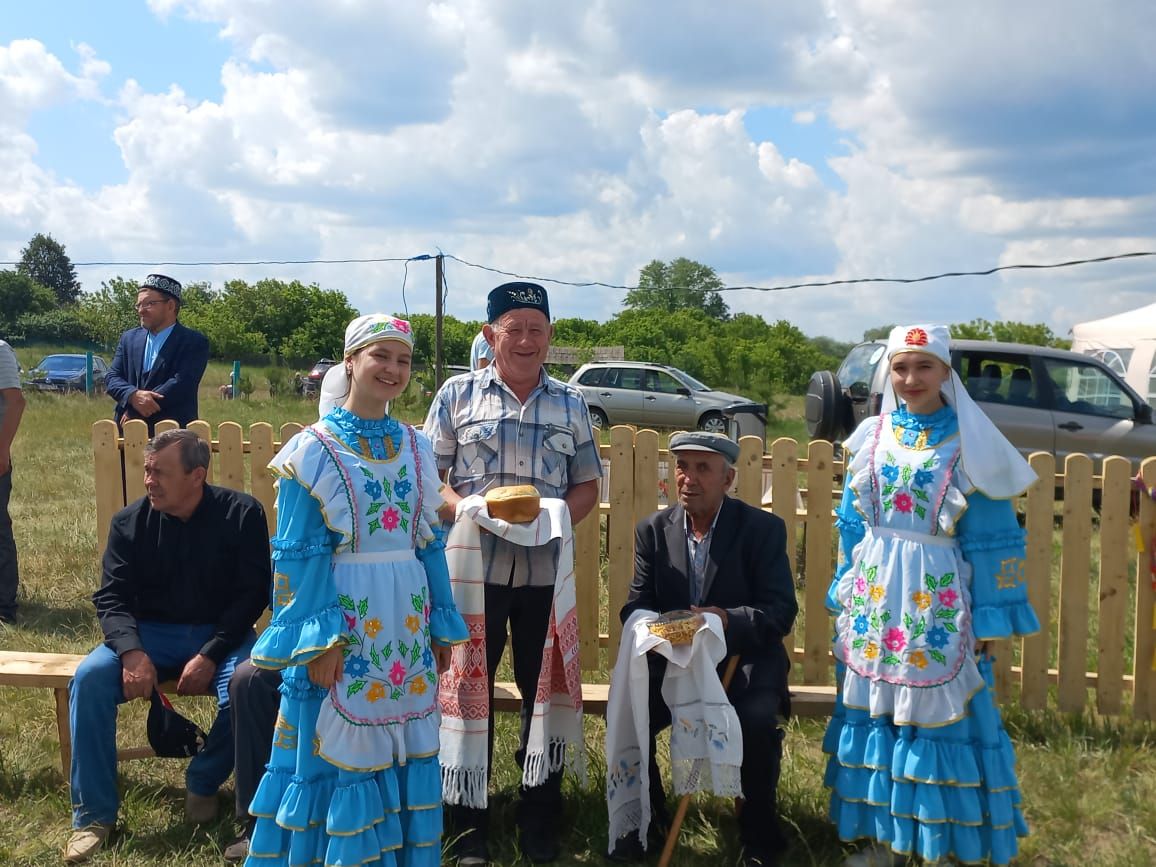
{"x":1097,"y":577}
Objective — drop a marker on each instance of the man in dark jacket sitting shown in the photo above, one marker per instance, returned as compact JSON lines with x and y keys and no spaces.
{"x":712,"y":553}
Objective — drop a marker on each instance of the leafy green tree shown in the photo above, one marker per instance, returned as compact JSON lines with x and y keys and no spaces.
{"x":20,"y":295}
{"x":682,"y":284}
{"x":457,"y":337}
{"x":1008,"y":332}
{"x":45,"y":261}
{"x":879,"y":332}
{"x":110,"y":310}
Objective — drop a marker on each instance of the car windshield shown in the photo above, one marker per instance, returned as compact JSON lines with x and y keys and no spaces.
{"x":690,"y":380}
{"x":62,"y":364}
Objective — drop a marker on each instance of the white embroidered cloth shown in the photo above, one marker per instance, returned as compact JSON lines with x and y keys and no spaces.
{"x":706,"y":741}
{"x":555,"y":736}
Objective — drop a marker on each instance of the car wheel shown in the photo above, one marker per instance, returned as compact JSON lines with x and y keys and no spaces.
{"x":598,"y":418}
{"x":823,"y":408}
{"x":713,"y":422}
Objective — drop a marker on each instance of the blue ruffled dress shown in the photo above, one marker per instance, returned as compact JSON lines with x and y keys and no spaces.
{"x":919,"y":759}
{"x":354,"y":778}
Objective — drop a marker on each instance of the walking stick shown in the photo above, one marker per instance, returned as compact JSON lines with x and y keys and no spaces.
{"x":684,"y":801}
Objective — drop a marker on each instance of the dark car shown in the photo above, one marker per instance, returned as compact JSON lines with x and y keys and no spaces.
{"x":310,"y":384}
{"x":66,"y":373}
{"x":1041,"y":399}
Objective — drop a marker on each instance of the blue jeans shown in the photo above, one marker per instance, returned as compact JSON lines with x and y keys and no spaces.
{"x":97,"y":689}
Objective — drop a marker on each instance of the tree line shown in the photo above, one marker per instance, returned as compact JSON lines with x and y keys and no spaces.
{"x":674,"y":316}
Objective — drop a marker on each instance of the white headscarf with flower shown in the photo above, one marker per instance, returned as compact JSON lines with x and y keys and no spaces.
{"x":992,"y":463}
{"x":361,"y":332}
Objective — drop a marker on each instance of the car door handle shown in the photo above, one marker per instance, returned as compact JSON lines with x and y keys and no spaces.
{"x":1071,"y":425}
{"x":651,"y":397}
{"x":604,"y":394}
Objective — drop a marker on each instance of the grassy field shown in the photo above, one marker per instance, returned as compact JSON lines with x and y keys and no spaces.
{"x":1089,"y":785}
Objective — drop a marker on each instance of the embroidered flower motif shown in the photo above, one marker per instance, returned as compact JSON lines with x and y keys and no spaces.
{"x":903,"y":502}
{"x":412,"y":623}
{"x":372,"y":627}
{"x":397,"y":673}
{"x":417,"y":686}
{"x":401,"y":325}
{"x":876,"y":593}
{"x":427,"y":658}
{"x":351,"y":621}
{"x":376,"y":692}
{"x":871,"y":651}
{"x":390,"y":518}
{"x":425,"y":612}
{"x":922,"y":600}
{"x":915,"y":337}
{"x":923,"y":478}
{"x":890,"y":472}
{"x":894,"y":639}
{"x":373,"y":488}
{"x":403,"y":488}
{"x":937,"y":636}
{"x":861,"y":624}
{"x":860,"y":585}
{"x":356,"y":666}
{"x":918,"y":658}
{"x":948,"y":597}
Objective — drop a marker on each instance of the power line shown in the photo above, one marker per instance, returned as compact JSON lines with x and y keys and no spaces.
{"x":592,"y":283}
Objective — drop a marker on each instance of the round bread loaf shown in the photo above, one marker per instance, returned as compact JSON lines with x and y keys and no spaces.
{"x":518,"y":504}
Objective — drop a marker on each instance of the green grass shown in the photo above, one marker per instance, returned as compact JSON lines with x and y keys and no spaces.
{"x":1089,"y":784}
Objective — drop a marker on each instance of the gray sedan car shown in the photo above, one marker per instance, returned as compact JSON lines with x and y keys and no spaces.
{"x":655,"y":395}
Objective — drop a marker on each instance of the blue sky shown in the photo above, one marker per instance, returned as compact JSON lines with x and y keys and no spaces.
{"x":777,"y":142}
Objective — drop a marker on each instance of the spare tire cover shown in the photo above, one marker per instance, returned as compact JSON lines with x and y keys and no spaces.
{"x":823,"y":407}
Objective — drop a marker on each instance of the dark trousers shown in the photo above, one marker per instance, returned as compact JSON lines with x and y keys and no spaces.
{"x":758,"y":713}
{"x":255,"y":696}
{"x":527,"y":611}
{"x":9,"y":572}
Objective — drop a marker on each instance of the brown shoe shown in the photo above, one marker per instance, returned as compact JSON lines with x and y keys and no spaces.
{"x":200,"y":809}
{"x":86,"y":842}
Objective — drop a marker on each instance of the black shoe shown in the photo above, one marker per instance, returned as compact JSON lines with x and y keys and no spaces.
{"x":538,"y":845}
{"x":467,"y":835}
{"x":754,"y":856}
{"x":627,"y":849}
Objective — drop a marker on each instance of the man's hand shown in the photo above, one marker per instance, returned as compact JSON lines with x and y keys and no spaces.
{"x":146,"y":402}
{"x":197,"y":676}
{"x":138,"y":676}
{"x":442,"y":654}
{"x":325,"y":670}
{"x":448,"y":511}
{"x":713,"y":609}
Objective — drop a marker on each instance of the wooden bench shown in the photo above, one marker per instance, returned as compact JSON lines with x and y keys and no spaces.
{"x":54,"y":670}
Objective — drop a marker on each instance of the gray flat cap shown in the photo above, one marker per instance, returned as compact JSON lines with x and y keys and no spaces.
{"x":699,"y":441}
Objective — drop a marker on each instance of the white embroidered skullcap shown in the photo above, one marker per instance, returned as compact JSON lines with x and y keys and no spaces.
{"x":361,"y":332}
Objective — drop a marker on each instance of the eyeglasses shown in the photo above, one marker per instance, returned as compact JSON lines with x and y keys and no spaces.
{"x":145,"y":305}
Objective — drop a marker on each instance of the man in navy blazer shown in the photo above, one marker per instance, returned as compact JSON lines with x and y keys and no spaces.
{"x":158,"y":367}
{"x":714,"y":553}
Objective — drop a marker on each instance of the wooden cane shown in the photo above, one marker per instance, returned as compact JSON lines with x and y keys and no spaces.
{"x":684,"y":801}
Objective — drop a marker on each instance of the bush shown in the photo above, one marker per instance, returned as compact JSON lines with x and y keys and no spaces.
{"x":280,"y":381}
{"x":64,"y":325}
{"x":245,"y":386}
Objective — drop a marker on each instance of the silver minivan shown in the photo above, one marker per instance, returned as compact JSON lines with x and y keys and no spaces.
{"x":1042,"y":399}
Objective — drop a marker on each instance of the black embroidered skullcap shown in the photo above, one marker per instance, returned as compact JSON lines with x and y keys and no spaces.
{"x":171,"y":735}
{"x":162,"y":284}
{"x":512,"y":296}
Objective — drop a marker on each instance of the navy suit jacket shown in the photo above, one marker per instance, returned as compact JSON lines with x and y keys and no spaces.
{"x":747,"y":574}
{"x":176,"y":374}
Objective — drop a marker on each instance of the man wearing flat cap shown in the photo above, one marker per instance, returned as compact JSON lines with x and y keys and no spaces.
{"x":713,"y":553}
{"x":512,"y":424}
{"x":158,"y":367}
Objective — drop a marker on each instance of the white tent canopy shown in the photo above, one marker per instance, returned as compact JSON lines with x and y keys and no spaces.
{"x":1125,"y":342}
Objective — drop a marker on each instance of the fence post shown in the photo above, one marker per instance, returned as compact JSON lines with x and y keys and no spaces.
{"x":820,"y":525}
{"x":620,"y":534}
{"x":1075,"y":569}
{"x":107,"y":477}
{"x":1036,"y":649}
{"x":235,"y":381}
{"x":1115,"y":501}
{"x":1144,"y":658}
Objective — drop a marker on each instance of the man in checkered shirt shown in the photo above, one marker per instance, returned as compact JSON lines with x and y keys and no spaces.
{"x":512,"y":424}
{"x":11,"y":409}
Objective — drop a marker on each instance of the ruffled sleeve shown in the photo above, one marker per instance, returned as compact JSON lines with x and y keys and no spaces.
{"x":305,"y":460}
{"x":993,"y":544}
{"x":849,"y":520}
{"x":307,"y":619}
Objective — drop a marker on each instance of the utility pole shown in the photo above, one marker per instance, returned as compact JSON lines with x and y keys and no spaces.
{"x":439,"y":369}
